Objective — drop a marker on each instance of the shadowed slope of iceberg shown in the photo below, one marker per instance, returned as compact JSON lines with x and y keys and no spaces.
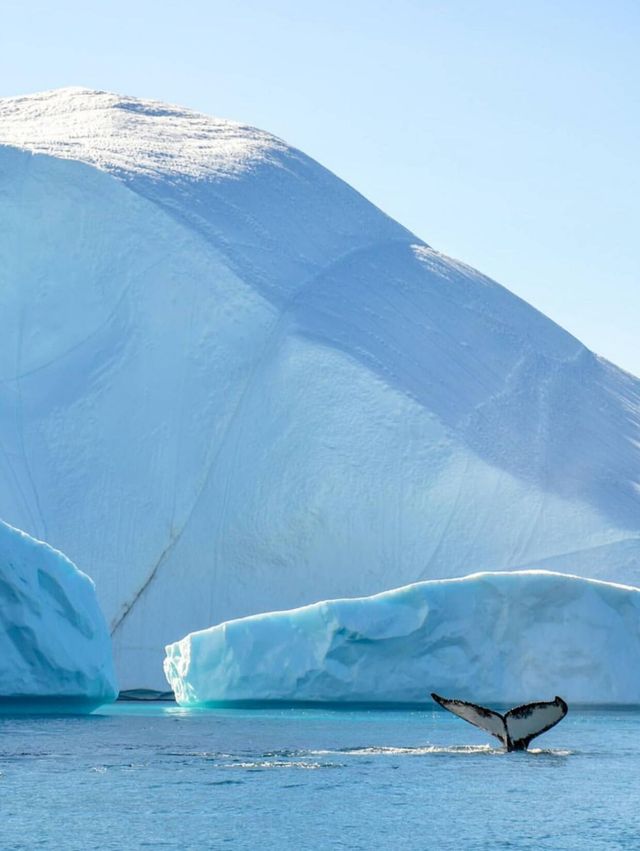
{"x":54,"y":643}
{"x":504,"y":638}
{"x":229,"y":383}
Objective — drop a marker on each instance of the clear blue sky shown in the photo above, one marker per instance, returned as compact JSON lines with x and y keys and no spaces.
{"x":503,"y":133}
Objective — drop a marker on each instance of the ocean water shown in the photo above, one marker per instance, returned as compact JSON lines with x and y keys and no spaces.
{"x":158,"y":776}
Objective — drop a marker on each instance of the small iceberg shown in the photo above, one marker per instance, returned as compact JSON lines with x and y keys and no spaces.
{"x":55,"y":648}
{"x":508,"y":637}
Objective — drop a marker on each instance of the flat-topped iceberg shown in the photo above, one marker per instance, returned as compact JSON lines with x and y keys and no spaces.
{"x":492,"y":637}
{"x":55,"y":649}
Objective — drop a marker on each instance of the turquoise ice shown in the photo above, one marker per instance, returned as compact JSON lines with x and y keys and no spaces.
{"x":55,"y":649}
{"x":506,"y":638}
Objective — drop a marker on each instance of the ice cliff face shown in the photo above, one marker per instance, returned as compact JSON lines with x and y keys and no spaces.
{"x":230,"y":384}
{"x":54,"y":641}
{"x":491,"y":637}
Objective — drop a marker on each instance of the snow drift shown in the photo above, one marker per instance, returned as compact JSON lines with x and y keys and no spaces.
{"x":54,"y":642}
{"x":490,"y":637}
{"x":230,"y":384}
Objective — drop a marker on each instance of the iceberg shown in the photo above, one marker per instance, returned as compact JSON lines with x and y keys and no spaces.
{"x":55,"y":648}
{"x":495,"y":637}
{"x":230,"y":384}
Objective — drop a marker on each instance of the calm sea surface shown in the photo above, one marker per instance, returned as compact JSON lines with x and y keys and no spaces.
{"x":157,"y":776}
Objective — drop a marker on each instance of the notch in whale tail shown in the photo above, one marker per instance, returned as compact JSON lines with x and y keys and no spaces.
{"x":517,"y":727}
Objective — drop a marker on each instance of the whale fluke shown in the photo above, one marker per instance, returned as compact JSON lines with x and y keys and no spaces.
{"x":517,"y":727}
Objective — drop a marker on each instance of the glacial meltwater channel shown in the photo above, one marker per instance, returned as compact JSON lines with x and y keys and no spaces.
{"x":157,"y":776}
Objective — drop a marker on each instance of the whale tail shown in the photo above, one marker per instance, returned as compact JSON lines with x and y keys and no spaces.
{"x":517,"y":727}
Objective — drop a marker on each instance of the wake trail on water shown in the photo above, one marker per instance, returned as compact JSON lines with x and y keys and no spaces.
{"x":429,"y":750}
{"x":383,"y":750}
{"x":322,"y":758}
{"x":275,"y":764}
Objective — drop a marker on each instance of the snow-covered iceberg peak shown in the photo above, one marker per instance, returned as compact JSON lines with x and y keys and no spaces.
{"x":54,"y":642}
{"x":491,"y":637}
{"x":124,"y":134}
{"x":317,"y":404}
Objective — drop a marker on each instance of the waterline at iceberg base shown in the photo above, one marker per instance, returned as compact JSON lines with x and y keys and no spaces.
{"x":505,"y":637}
{"x":55,"y":648}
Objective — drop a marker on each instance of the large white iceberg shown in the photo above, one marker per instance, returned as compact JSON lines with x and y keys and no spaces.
{"x":230,"y":384}
{"x":490,"y":637}
{"x":55,"y":648}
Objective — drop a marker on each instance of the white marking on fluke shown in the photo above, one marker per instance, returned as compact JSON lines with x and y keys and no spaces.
{"x":517,"y":727}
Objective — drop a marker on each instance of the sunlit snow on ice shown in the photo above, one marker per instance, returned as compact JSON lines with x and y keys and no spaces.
{"x":230,"y":384}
